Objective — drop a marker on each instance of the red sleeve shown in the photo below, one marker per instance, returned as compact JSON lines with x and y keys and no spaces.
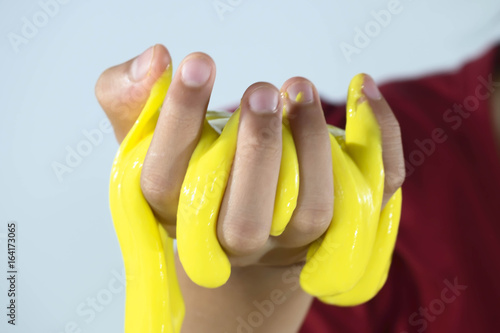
{"x":445,"y":270}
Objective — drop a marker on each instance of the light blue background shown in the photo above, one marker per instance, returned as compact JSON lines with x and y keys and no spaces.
{"x":68,"y":252}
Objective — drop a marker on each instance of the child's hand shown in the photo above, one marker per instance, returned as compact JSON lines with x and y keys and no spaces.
{"x":247,"y":209}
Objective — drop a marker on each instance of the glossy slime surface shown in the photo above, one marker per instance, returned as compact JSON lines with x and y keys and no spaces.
{"x":347,"y":266}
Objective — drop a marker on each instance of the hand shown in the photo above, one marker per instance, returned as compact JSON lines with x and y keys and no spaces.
{"x":247,"y":207}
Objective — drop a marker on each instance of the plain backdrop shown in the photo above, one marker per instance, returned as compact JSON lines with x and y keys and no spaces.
{"x":52,"y":52}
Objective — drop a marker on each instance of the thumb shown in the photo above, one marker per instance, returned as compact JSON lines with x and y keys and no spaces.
{"x":122,"y":90}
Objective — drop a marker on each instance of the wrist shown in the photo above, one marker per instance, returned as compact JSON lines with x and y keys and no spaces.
{"x":262,"y":298}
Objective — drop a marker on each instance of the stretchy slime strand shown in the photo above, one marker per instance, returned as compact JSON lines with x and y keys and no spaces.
{"x":153,"y":298}
{"x":347,"y":266}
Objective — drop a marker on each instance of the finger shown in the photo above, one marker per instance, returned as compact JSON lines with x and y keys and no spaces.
{"x":176,"y":135}
{"x":247,"y":208}
{"x":392,"y":148}
{"x":314,"y":209}
{"x":123,"y":90}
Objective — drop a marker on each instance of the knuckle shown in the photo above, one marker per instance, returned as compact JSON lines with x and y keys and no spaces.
{"x":243,"y":236}
{"x":313,"y":218}
{"x":181,"y":120}
{"x":155,"y":188}
{"x":315,"y":136}
{"x":262,"y":146}
{"x":137,"y":94}
{"x":180,"y":115}
{"x":115,"y":97}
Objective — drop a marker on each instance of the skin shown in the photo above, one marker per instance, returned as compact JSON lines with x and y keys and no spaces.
{"x":263,"y":266}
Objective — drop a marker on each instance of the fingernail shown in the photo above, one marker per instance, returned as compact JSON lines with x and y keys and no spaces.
{"x":300,"y":92}
{"x":141,"y":65}
{"x":195,"y":72}
{"x":370,"y":88}
{"x":264,"y":100}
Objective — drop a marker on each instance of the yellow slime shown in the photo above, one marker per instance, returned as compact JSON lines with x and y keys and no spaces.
{"x":347,"y":266}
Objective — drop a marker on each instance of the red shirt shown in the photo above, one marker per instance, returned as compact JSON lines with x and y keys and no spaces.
{"x":445,"y":274}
